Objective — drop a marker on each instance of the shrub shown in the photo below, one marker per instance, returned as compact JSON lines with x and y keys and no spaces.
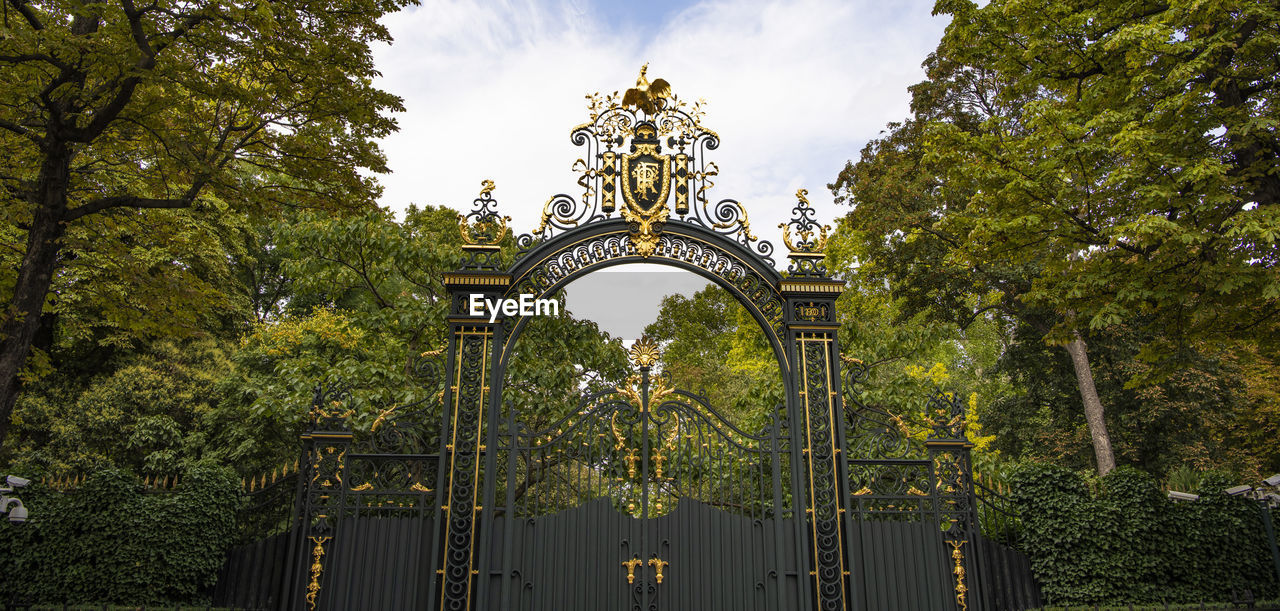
{"x":108,"y":541}
{"x":1128,"y":544}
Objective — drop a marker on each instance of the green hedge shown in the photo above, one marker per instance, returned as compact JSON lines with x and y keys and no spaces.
{"x":1129,"y":544}
{"x":105,"y":607}
{"x":110,"y":542}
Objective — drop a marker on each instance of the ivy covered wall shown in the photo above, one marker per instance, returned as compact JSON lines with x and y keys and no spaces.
{"x":1122,"y":541}
{"x":108,"y":541}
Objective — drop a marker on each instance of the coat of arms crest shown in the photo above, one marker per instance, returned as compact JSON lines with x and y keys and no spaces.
{"x":646,"y":182}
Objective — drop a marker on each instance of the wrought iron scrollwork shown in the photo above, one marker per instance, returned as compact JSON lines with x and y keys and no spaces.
{"x":825,"y":503}
{"x":945,"y":412}
{"x":329,"y":405}
{"x":482,"y":230}
{"x":463,"y":491}
{"x":690,"y":451}
{"x":758,"y":291}
{"x":809,"y":241}
{"x":873,"y":433}
{"x":677,"y":125}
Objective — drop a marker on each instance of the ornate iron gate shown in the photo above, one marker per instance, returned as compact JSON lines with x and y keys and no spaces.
{"x":645,"y":498}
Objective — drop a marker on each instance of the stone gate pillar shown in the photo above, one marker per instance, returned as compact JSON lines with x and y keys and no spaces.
{"x":473,"y":344}
{"x":815,"y":408}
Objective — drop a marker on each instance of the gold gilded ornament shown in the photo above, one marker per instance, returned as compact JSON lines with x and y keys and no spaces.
{"x":647,"y":96}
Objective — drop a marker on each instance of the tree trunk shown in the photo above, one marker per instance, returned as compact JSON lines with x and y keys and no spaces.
{"x":21,"y":319}
{"x":1092,"y":405}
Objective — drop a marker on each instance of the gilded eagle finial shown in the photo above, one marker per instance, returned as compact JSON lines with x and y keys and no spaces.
{"x":646,"y":95}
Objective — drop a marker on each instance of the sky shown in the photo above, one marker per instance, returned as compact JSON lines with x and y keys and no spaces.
{"x":794,"y":89}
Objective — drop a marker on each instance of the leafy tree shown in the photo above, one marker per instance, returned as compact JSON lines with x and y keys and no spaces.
{"x":712,"y":346}
{"x":908,"y":357}
{"x":1196,"y":417}
{"x":366,"y":304}
{"x":1083,"y":165}
{"x":113,"y":111}
{"x":151,"y":411}
{"x":1132,"y":152}
{"x":898,"y":241}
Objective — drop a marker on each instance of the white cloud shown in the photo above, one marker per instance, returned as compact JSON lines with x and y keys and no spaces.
{"x":794,"y":89}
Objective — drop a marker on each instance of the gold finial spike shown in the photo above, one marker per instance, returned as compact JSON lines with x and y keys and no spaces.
{"x":274,"y":474}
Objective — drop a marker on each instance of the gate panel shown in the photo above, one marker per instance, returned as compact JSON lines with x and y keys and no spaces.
{"x":644,"y":498}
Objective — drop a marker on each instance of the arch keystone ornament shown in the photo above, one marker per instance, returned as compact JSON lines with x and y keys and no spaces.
{"x":643,"y":497}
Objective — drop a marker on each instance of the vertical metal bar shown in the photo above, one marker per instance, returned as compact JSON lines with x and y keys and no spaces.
{"x":780,"y":565}
{"x":444,"y":472}
{"x":492,"y":406}
{"x":508,"y":512}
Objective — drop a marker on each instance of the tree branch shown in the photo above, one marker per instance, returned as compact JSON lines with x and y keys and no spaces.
{"x":132,"y":201}
{"x":125,"y":201}
{"x":32,"y":19}
{"x":19,"y":130}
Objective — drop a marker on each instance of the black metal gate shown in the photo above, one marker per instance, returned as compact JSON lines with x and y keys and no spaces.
{"x":645,"y":498}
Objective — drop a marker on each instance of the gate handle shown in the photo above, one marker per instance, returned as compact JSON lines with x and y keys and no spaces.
{"x":658,"y":563}
{"x":631,"y":569}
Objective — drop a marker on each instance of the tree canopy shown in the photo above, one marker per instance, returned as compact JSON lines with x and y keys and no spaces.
{"x":1076,"y":166}
{"x":114,"y":114}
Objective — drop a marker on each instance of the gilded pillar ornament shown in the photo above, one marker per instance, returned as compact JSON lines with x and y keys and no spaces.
{"x":962,"y":590}
{"x":808,"y":243}
{"x":317,"y":567}
{"x":482,"y":230}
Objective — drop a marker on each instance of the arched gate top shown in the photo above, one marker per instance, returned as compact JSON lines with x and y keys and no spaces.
{"x":645,"y":176}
